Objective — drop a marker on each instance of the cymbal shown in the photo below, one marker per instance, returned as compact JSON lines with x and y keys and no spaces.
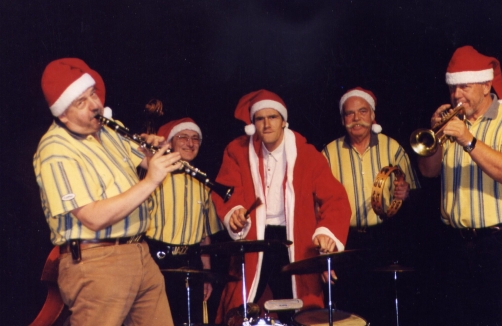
{"x":394,"y":268}
{"x":242,"y":246}
{"x":206,"y":273}
{"x":319,"y":263}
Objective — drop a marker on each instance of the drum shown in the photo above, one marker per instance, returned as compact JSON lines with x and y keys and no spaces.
{"x":320,"y":317}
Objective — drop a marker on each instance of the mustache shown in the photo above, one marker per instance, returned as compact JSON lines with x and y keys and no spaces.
{"x":361,"y":123}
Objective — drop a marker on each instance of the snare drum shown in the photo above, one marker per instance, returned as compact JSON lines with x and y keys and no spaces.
{"x":320,"y":317}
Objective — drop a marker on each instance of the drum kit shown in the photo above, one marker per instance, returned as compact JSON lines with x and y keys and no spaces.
{"x":318,"y":264}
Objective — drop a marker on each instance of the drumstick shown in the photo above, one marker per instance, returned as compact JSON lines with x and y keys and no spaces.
{"x":255,"y":205}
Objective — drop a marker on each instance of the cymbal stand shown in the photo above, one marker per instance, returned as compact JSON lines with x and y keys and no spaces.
{"x":245,"y":321}
{"x":330,"y":303}
{"x":396,"y":302}
{"x":187,"y":284}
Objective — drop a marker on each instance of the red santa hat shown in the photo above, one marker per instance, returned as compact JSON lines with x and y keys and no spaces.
{"x":66,"y":79}
{"x":469,"y":66}
{"x":366,"y":95}
{"x":253,"y":102}
{"x":173,"y":127}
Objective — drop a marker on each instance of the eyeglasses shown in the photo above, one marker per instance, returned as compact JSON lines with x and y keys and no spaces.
{"x":183,"y":139}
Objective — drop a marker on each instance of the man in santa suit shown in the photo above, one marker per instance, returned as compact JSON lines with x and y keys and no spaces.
{"x":302,"y":202}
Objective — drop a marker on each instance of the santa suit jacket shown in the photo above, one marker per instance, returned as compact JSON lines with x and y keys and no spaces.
{"x":315,"y":203}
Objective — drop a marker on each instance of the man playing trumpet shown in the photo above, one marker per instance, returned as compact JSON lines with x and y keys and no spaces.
{"x":470,"y":168}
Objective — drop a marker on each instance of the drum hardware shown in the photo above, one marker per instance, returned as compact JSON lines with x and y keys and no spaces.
{"x":319,"y":317}
{"x":319,"y":264}
{"x":240,"y":247}
{"x":395,"y":268}
{"x":207,"y":274}
{"x":377,"y":200}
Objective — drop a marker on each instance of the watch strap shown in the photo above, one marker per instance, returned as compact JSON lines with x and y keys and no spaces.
{"x":470,"y":146}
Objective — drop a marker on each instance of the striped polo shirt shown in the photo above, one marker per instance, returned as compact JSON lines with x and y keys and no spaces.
{"x":471,"y":198}
{"x":183,"y":212}
{"x":357,"y":172}
{"x":74,"y":170}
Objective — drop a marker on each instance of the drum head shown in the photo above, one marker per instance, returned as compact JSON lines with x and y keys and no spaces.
{"x":320,"y":317}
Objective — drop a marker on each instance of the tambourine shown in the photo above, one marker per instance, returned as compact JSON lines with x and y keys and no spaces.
{"x":377,"y":199}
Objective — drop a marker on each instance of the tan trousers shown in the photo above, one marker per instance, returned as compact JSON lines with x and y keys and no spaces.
{"x":114,"y":285}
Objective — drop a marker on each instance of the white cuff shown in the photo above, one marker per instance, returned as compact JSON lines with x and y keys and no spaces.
{"x":323,"y":230}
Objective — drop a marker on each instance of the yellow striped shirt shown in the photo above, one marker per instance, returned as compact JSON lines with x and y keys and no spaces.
{"x":73,"y":171}
{"x":183,"y":212}
{"x":471,"y":198}
{"x":357,"y":173}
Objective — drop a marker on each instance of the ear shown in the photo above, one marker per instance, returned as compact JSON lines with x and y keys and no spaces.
{"x":63,"y":118}
{"x":283,"y":124}
{"x":487,"y":87}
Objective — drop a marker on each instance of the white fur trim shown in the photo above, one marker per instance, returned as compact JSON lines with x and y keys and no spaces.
{"x":74,"y":90}
{"x":376,"y":128}
{"x":184,"y":126}
{"x":465,"y":77}
{"x":268,"y":104}
{"x":250,"y":129}
{"x":323,"y":230}
{"x":357,"y":93}
{"x":107,"y":112}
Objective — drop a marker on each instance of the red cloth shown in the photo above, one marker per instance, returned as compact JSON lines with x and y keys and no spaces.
{"x":311,"y":178}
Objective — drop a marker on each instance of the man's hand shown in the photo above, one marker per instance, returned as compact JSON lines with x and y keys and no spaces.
{"x":238,"y":220}
{"x":401,"y":189}
{"x":208,"y":289}
{"x":325,"y":277}
{"x":160,"y":165}
{"x":457,"y":129}
{"x":152,"y":140}
{"x":325,"y":244}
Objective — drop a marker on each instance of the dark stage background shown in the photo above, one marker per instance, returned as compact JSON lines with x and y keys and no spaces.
{"x":199,"y":58}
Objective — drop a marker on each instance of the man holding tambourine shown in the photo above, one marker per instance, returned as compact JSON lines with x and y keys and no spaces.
{"x":362,"y":160}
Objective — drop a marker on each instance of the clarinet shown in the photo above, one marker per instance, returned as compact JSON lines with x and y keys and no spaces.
{"x":222,"y":190}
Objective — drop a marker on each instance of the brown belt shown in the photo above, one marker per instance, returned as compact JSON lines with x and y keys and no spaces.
{"x":94,"y":243}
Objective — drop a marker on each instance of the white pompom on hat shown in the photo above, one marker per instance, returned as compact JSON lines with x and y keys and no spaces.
{"x":255,"y":101}
{"x":66,"y":79}
{"x":170,"y":129}
{"x":366,"y":95}
{"x":469,"y":66}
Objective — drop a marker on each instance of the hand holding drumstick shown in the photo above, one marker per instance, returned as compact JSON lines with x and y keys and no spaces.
{"x":239,"y":217}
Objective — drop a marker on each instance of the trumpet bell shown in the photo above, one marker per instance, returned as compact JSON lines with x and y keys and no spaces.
{"x":424,"y":142}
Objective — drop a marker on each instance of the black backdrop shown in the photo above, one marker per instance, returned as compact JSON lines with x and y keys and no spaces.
{"x":199,"y":58}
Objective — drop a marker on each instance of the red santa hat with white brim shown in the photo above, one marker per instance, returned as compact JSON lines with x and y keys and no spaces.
{"x":255,"y":101}
{"x":173,"y":127}
{"x":366,"y":95}
{"x":469,"y":66}
{"x":66,"y":79}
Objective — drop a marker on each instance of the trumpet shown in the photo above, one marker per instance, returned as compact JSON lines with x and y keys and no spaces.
{"x":222,"y":190}
{"x":425,"y":142}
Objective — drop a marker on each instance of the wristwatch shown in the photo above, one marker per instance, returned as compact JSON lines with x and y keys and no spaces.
{"x":470,"y":146}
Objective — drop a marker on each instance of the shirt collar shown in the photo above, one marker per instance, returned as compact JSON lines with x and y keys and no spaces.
{"x":373,"y":140}
{"x":276,"y":153}
{"x":493,"y":109}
